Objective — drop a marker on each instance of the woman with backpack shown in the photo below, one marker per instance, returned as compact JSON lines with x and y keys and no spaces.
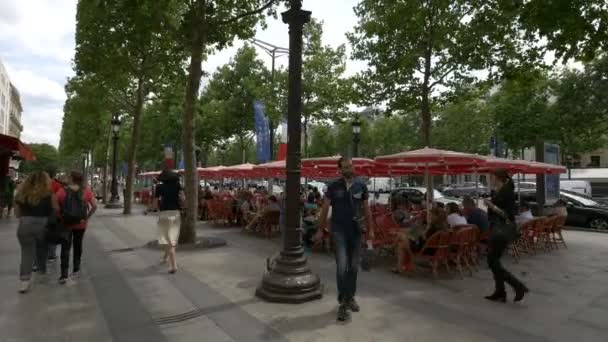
{"x":77,"y":204}
{"x":35,"y":204}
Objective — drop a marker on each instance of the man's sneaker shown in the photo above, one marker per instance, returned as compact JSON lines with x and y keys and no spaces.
{"x":343,"y":314}
{"x":35,"y":268}
{"x":75,"y":274}
{"x":52,"y":259}
{"x":353,"y":306}
{"x":63,"y":280}
{"x":24,"y":286}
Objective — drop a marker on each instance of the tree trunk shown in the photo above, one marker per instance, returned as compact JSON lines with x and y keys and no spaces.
{"x":139,"y":104}
{"x":187,"y":230}
{"x":425,"y":109}
{"x":425,"y":105}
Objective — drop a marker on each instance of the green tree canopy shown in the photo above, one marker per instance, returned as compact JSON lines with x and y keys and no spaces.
{"x":203,"y":27}
{"x":130,"y":47}
{"x":47,"y":159}
{"x":521,"y":109}
{"x":228,"y":99}
{"x":466,"y":123}
{"x":573,"y":29}
{"x":324,"y":87}
{"x":322,"y":141}
{"x":86,"y":120}
{"x":417,"y":48}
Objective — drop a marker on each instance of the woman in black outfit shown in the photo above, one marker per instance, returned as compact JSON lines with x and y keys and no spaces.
{"x":501,"y":214}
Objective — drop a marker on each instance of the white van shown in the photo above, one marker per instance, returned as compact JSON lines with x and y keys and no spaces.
{"x":381,"y":184}
{"x":579,"y":186}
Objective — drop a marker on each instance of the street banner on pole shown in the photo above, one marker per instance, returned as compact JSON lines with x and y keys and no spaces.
{"x":262,"y":133}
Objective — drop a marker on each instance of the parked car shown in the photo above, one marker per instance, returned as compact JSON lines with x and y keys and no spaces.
{"x":473,"y":189}
{"x":582,"y":210}
{"x":418,"y":193}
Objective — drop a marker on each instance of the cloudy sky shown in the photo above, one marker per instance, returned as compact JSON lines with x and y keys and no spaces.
{"x":37,"y":46}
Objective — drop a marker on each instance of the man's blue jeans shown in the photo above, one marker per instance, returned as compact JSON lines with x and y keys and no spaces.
{"x":348,"y":252}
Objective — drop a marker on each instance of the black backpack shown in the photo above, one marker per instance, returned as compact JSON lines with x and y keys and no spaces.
{"x":74,"y":207}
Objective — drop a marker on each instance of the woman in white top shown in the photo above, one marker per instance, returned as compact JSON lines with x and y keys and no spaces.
{"x":525,"y":215}
{"x":560,"y":208}
{"x":455,"y":217}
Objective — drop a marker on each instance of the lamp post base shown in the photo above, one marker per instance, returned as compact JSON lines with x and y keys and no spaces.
{"x":290,"y":280}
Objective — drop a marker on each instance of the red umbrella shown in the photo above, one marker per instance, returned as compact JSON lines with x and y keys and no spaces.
{"x":328,"y":166}
{"x":512,"y":165}
{"x":537,"y":167}
{"x":333,"y":162}
{"x":432,"y":156}
{"x":275,"y":169}
{"x":210,"y":172}
{"x":385,"y":170}
{"x":237,"y":171}
{"x":519,"y":166}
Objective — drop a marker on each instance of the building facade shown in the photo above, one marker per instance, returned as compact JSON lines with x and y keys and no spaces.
{"x":594,"y":159}
{"x":14,"y":126}
{"x":10,"y":106}
{"x":5,"y":99}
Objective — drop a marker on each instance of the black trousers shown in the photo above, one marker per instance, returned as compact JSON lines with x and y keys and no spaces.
{"x":496,"y":247}
{"x":74,"y":239}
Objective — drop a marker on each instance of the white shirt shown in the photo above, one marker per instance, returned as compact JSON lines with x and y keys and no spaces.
{"x":456,"y":220}
{"x":523,"y":217}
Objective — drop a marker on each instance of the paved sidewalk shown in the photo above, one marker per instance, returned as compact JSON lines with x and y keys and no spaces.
{"x":49,"y":312}
{"x":125,"y":295}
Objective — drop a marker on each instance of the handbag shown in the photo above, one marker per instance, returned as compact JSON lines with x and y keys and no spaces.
{"x":504,"y":230}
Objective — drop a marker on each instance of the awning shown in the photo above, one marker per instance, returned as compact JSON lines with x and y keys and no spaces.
{"x":15,"y":148}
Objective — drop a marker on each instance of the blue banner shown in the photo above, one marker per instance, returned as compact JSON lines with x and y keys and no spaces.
{"x":181,"y":165}
{"x":262,"y":133}
{"x":552,"y":154}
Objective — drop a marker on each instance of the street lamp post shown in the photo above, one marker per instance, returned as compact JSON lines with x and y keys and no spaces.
{"x":114,"y":200}
{"x":84,"y":156}
{"x":356,"y":136}
{"x":222,"y":153}
{"x":274,"y":52}
{"x":290,"y":280}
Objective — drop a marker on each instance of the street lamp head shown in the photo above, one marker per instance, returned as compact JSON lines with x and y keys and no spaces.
{"x":115,"y":123}
{"x":356,"y":126}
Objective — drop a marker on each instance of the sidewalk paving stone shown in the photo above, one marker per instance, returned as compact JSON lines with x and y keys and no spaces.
{"x":125,"y":294}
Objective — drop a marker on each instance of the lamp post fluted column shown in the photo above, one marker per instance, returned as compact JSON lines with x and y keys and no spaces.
{"x":290,"y":280}
{"x":356,"y":125}
{"x":114,"y":202}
